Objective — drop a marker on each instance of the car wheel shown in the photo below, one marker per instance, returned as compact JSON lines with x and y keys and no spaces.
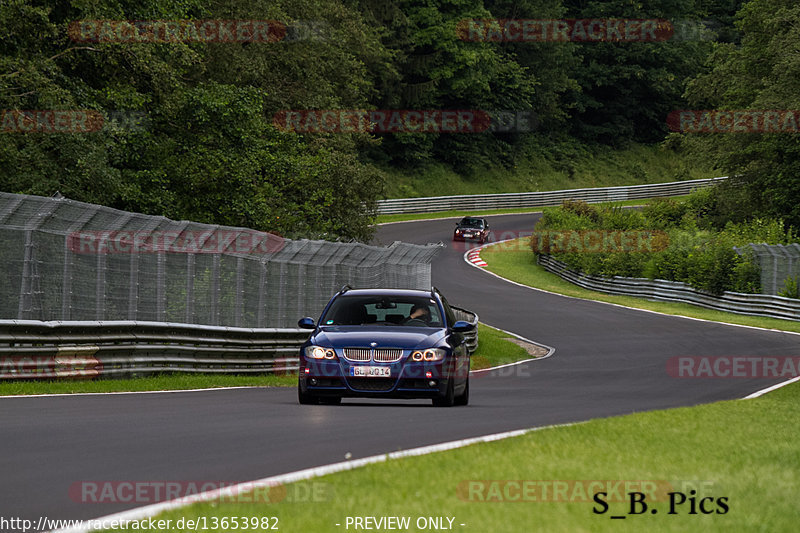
{"x":330,"y":400}
{"x":463,"y":398}
{"x":448,"y":399}
{"x":305,"y":398}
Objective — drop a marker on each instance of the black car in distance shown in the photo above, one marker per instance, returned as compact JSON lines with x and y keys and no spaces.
{"x":471,"y":229}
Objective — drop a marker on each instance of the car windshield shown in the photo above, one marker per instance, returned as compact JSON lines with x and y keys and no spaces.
{"x":355,"y":310}
{"x":471,"y":223}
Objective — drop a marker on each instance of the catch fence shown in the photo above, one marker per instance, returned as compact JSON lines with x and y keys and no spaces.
{"x":63,"y":260}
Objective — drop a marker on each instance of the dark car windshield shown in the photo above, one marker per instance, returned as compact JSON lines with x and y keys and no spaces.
{"x":356,"y":310}
{"x":471,"y":223}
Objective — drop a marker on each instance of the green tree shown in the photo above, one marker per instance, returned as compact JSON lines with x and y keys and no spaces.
{"x":762,"y":74}
{"x":209,"y":150}
{"x":629,"y":88}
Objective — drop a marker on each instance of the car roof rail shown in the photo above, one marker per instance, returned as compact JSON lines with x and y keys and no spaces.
{"x":434,"y":290}
{"x":345,"y":288}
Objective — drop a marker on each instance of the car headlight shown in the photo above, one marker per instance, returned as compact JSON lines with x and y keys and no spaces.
{"x":318,"y":352}
{"x":431,"y":354}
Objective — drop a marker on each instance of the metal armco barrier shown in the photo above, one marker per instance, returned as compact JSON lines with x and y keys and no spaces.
{"x":31,"y":349}
{"x":542,"y":198}
{"x":673,"y":291}
{"x":472,"y":318}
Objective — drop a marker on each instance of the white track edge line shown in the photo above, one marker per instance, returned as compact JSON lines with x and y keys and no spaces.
{"x":62,"y":394}
{"x":76,"y":394}
{"x":620,"y":305}
{"x":770,"y":389}
{"x":148,"y":511}
{"x":748,"y":397}
{"x":550,"y":351}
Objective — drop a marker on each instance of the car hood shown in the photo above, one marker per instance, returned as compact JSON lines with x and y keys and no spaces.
{"x":407,"y":338}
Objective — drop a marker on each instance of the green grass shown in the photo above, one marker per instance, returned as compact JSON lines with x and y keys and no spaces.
{"x":173,"y":381}
{"x":405,"y":217}
{"x":742,"y":450}
{"x":554,"y":168}
{"x":515,"y":261}
{"x":492,"y":350}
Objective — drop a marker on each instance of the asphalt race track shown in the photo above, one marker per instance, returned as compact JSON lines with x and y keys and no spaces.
{"x":609,"y":361}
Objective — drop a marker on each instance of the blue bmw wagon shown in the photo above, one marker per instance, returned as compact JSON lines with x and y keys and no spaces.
{"x":385,"y":343}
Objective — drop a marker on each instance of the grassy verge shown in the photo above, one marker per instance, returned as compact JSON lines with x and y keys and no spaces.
{"x":493,"y":350}
{"x":559,"y":166}
{"x":405,"y":217}
{"x":743,"y":451}
{"x":161,"y":382}
{"x":515,"y":261}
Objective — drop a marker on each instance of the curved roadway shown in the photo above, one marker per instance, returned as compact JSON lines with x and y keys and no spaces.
{"x":608,"y":361}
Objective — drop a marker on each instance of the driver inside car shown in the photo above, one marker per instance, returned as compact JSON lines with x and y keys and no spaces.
{"x":420,"y":313}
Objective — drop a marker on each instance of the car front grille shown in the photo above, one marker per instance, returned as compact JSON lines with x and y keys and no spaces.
{"x":387,"y":355}
{"x":357,"y":354}
{"x":379,"y":355}
{"x":372,"y":384}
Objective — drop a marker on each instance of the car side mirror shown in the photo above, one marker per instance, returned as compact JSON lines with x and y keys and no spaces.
{"x":306,"y":323}
{"x":462,"y":326}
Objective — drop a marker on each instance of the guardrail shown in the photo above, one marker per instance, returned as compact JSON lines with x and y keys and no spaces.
{"x":673,"y":291}
{"x":540,"y":199}
{"x":32,"y":349}
{"x":472,"y":318}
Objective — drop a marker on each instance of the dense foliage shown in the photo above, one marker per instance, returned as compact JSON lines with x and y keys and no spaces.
{"x":695,"y":253}
{"x":761,"y":74}
{"x":208,"y":150}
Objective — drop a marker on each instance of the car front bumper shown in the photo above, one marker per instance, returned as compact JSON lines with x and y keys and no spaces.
{"x":407,"y":380}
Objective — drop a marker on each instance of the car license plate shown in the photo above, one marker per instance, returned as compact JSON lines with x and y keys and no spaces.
{"x":370,"y":371}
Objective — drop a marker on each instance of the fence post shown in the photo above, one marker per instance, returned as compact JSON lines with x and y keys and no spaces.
{"x":215,"y":304}
{"x":133,"y":288}
{"x":262,"y":289}
{"x":189,"y":289}
{"x":100,"y":286}
{"x":161,"y":295}
{"x":25,"y":284}
{"x":237,"y":306}
{"x":66,"y":281}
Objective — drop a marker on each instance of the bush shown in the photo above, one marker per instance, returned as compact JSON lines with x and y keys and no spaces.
{"x":791,"y":288}
{"x":665,"y":212}
{"x":697,"y":253}
{"x":560,"y":218}
{"x":581,"y":208}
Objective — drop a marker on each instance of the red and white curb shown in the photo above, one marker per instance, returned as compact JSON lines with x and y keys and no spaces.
{"x":474,"y":257}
